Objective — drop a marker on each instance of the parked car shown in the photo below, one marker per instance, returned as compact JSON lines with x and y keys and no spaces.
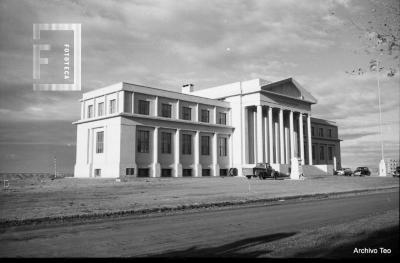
{"x":396,"y":172}
{"x":344,"y":172}
{"x":262,"y":171}
{"x":362,"y":171}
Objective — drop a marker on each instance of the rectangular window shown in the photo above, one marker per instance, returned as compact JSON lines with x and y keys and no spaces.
{"x":321,"y":153}
{"x":205,"y":145}
{"x":186,"y":144}
{"x":330,"y":153}
{"x":143,"y":141}
{"x":100,"y":109}
{"x":321,"y":132}
{"x":143,"y":172}
{"x":206,"y":172}
{"x":312,"y":131}
{"x":144,"y":107}
{"x":166,"y":142}
{"x":99,"y":142}
{"x":130,"y":171}
{"x":313,"y":152}
{"x":112,"y":106}
{"x":128,"y":101}
{"x":186,"y":113}
{"x":186,"y":172}
{"x":222,"y":146}
{"x":222,"y":118}
{"x":166,"y":110}
{"x":205,"y":116}
{"x":223,"y":172}
{"x":166,"y":172}
{"x":330,"y":133}
{"x":90,"y":111}
{"x":97,"y":172}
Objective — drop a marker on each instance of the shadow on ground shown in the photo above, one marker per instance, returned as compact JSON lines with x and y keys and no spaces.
{"x":387,"y":238}
{"x":234,"y":249}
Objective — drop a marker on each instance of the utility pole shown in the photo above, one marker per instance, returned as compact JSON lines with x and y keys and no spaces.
{"x":382,"y":166}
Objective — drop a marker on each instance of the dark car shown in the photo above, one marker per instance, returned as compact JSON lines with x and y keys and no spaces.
{"x":362,"y":171}
{"x":344,"y":171}
{"x":262,"y":171}
{"x":396,"y":172}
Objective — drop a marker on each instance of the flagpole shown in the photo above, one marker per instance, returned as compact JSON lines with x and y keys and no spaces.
{"x":382,"y":166}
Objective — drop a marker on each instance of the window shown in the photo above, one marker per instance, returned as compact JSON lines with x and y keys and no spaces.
{"x":100,"y":109}
{"x":330,"y":133}
{"x":186,"y":144}
{"x":222,"y":146}
{"x":186,"y":113}
{"x":97,"y":172}
{"x":321,"y":153}
{"x":205,"y":145}
{"x":143,"y":172}
{"x":312,"y":131}
{"x":186,"y":172}
{"x":90,"y":111}
{"x":128,"y":101}
{"x":144,"y":107}
{"x":130,"y":171}
{"x":166,"y":142}
{"x":222,"y":118}
{"x":143,"y":141}
{"x":313,"y":152}
{"x":206,"y":172}
{"x":112,"y":106}
{"x":99,"y":142}
{"x":330,"y":153}
{"x":205,"y":116}
{"x":321,"y":132}
{"x":166,"y":172}
{"x":223,"y":172}
{"x":166,"y":110}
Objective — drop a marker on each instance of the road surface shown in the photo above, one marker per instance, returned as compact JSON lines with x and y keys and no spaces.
{"x":192,"y":232}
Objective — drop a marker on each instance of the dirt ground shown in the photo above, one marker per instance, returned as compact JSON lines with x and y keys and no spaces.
{"x":43,"y":197}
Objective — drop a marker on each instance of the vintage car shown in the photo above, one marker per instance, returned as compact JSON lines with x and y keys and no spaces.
{"x":262,"y":171}
{"x":362,"y":171}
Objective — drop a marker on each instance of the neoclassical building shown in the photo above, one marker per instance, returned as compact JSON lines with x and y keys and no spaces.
{"x":133,"y":130}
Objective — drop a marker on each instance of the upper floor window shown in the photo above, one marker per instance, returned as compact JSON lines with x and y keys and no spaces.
{"x":222,"y":118}
{"x":186,"y":113}
{"x":186,"y":144}
{"x":222,"y":146}
{"x":166,"y":142}
{"x":205,"y":145}
{"x":143,"y":141}
{"x":330,"y":133}
{"x":205,"y":116}
{"x":99,"y":142}
{"x":166,"y":110}
{"x":100,"y":109}
{"x":90,"y":111}
{"x":144,"y":107}
{"x":112,"y":106}
{"x":321,"y":132}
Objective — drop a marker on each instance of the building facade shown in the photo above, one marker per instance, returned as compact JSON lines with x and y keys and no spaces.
{"x":133,"y":130}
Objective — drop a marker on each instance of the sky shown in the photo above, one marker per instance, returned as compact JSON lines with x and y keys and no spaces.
{"x":168,"y":43}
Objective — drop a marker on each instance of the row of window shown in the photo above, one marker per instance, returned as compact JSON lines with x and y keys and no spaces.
{"x":321,"y":132}
{"x":322,"y":152}
{"x":145,"y":172}
{"x":100,"y":109}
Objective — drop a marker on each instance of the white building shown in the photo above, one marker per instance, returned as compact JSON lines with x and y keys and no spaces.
{"x":133,"y":130}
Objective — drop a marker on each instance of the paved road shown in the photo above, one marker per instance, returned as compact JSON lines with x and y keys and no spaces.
{"x":194,"y":231}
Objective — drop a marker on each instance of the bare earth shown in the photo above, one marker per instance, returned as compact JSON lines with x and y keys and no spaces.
{"x":70,"y":196}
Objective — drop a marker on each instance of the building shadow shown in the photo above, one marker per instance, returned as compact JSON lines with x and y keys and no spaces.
{"x":234,"y":249}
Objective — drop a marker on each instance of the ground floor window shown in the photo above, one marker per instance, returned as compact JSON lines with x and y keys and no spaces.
{"x":206,"y":172}
{"x":330,"y":153}
{"x":321,"y":153}
{"x":143,"y":172}
{"x":130,"y":171}
{"x":187,"y":172}
{"x":97,"y":172}
{"x":166,"y":173}
{"x":223,"y":172}
{"x":313,"y":152}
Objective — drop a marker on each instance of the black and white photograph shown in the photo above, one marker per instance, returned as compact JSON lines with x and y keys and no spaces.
{"x":199,"y":129}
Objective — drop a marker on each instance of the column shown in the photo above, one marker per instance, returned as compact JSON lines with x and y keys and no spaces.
{"x":156,"y":106}
{"x":291,"y":139}
{"x":266,"y":149}
{"x":309,"y":139}
{"x":281,"y":137}
{"x":271,"y":142}
{"x":215,"y":115}
{"x":215,"y":155}
{"x":156,"y":164}
{"x":178,"y":109}
{"x":133,"y":103}
{"x":254,"y":136}
{"x":301,"y":138}
{"x":245,"y":130}
{"x":197,"y":165}
{"x":276,"y":133}
{"x":260,"y":143}
{"x":177,"y":152}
